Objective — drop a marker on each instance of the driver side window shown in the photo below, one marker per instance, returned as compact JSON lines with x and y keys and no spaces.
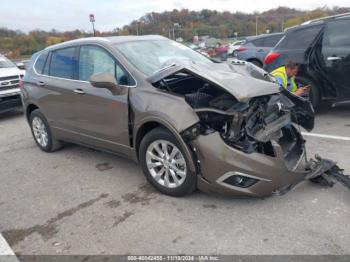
{"x":93,"y":59}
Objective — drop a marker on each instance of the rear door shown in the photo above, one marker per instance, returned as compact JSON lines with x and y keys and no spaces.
{"x":335,"y":54}
{"x":57,"y":81}
{"x":103,"y":115}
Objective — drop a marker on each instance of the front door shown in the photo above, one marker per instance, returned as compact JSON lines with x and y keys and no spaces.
{"x":336,"y":56}
{"x":103,"y":114}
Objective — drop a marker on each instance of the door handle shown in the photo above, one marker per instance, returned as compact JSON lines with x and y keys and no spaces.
{"x":40,"y":83}
{"x":333,"y":58}
{"x":79,"y":91}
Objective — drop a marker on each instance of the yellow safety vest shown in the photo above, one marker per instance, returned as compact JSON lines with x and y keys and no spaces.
{"x":282,"y":73}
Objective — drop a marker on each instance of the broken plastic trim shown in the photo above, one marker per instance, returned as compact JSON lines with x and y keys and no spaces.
{"x":321,"y":168}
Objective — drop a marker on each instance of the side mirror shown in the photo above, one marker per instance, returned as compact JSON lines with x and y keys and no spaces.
{"x":103,"y":80}
{"x":20,"y":65}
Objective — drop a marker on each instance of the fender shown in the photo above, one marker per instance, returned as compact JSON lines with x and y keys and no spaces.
{"x":168,"y":110}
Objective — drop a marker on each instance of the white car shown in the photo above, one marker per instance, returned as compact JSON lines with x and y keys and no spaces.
{"x":10,"y":92}
{"x":234,"y":46}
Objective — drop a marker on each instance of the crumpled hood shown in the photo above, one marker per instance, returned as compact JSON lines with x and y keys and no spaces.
{"x":240,"y":84}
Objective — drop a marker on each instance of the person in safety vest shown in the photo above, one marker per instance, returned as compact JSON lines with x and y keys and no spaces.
{"x":285,"y":77}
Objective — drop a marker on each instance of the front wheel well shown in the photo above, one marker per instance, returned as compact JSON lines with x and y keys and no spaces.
{"x":143,"y":130}
{"x":30,"y":109}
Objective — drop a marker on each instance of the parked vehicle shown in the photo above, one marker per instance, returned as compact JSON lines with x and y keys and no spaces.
{"x":10,"y":93}
{"x":256,"y":48}
{"x":231,"y":51}
{"x":322,"y":47}
{"x":188,"y":121}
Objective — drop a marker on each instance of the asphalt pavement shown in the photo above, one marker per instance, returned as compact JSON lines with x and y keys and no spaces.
{"x":82,"y":201}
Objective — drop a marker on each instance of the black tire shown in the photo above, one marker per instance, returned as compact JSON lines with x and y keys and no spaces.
{"x":314,"y":95}
{"x":52,"y":144}
{"x":190,"y":181}
{"x":256,"y":62}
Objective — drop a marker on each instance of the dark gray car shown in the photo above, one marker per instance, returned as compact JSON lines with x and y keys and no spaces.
{"x":188,"y":121}
{"x":256,"y":48}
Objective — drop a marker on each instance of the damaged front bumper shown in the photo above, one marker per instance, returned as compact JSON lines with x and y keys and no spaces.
{"x":232,"y":172}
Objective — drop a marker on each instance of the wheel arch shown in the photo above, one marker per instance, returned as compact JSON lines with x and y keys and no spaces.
{"x":29,"y":109}
{"x":150,"y":124}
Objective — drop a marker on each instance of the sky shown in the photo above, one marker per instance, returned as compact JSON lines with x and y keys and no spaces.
{"x":62,"y":15}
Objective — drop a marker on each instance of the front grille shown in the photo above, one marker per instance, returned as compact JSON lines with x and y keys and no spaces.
{"x":8,"y":78}
{"x":9,"y":82}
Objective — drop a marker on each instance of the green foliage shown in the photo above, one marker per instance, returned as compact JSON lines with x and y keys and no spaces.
{"x":181,"y":23}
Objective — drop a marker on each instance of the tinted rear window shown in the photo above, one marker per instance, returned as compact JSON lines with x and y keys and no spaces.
{"x":300,"y":38}
{"x":258,"y":42}
{"x":40,"y":62}
{"x":272,"y":40}
{"x":337,"y":34}
{"x":63,"y":63}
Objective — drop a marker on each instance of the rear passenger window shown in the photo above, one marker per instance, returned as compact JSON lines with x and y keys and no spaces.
{"x":272,"y":40}
{"x":40,"y":62}
{"x":259,"y":42}
{"x":63,"y":63}
{"x":337,"y":34}
{"x":301,"y":38}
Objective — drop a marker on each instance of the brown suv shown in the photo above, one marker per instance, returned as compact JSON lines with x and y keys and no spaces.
{"x":189,"y":121}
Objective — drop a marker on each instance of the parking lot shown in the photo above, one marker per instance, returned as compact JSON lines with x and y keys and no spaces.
{"x":81,"y":201}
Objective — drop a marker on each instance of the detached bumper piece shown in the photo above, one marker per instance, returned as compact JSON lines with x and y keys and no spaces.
{"x":322,"y":171}
{"x":334,"y":173}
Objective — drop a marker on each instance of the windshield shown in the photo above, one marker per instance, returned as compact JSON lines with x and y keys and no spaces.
{"x":5,"y":63}
{"x":151,"y":56}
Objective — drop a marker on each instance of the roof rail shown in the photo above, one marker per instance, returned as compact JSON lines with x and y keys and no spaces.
{"x":287,"y":28}
{"x":77,"y":41}
{"x":326,"y":17}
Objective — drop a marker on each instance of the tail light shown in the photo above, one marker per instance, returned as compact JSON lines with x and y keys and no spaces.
{"x":21,"y":83}
{"x":241,"y":49}
{"x":271,"y":57}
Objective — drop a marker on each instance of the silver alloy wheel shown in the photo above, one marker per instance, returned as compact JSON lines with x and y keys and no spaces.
{"x":166,"y":163}
{"x":40,"y":132}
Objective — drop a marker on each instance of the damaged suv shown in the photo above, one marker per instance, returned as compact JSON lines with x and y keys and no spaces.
{"x":190,"y":122}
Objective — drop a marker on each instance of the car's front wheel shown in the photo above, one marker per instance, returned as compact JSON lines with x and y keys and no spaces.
{"x":165,"y":165}
{"x":42,"y":133}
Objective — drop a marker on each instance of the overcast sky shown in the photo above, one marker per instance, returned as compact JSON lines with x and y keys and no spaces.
{"x":27,"y":15}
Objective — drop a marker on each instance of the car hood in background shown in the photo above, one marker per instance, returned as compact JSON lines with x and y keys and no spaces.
{"x":10,"y":71}
{"x":240,"y":83}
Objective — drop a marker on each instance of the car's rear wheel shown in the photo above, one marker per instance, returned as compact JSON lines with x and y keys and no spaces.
{"x":314,"y":95}
{"x":42,"y":133}
{"x":165,"y":165}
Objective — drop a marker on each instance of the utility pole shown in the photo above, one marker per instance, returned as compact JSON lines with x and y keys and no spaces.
{"x":282,"y":25}
{"x":256,"y":25}
{"x":175,"y":25}
{"x":92,"y":20}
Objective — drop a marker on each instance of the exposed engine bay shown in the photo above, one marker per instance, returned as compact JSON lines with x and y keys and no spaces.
{"x":249,"y":127}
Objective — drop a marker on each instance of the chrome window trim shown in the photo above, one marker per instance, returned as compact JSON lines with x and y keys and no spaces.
{"x":82,"y":81}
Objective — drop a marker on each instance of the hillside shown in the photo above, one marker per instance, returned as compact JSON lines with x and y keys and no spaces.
{"x":179,"y":23}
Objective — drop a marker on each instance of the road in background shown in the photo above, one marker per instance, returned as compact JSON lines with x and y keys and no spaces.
{"x":81,"y":201}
